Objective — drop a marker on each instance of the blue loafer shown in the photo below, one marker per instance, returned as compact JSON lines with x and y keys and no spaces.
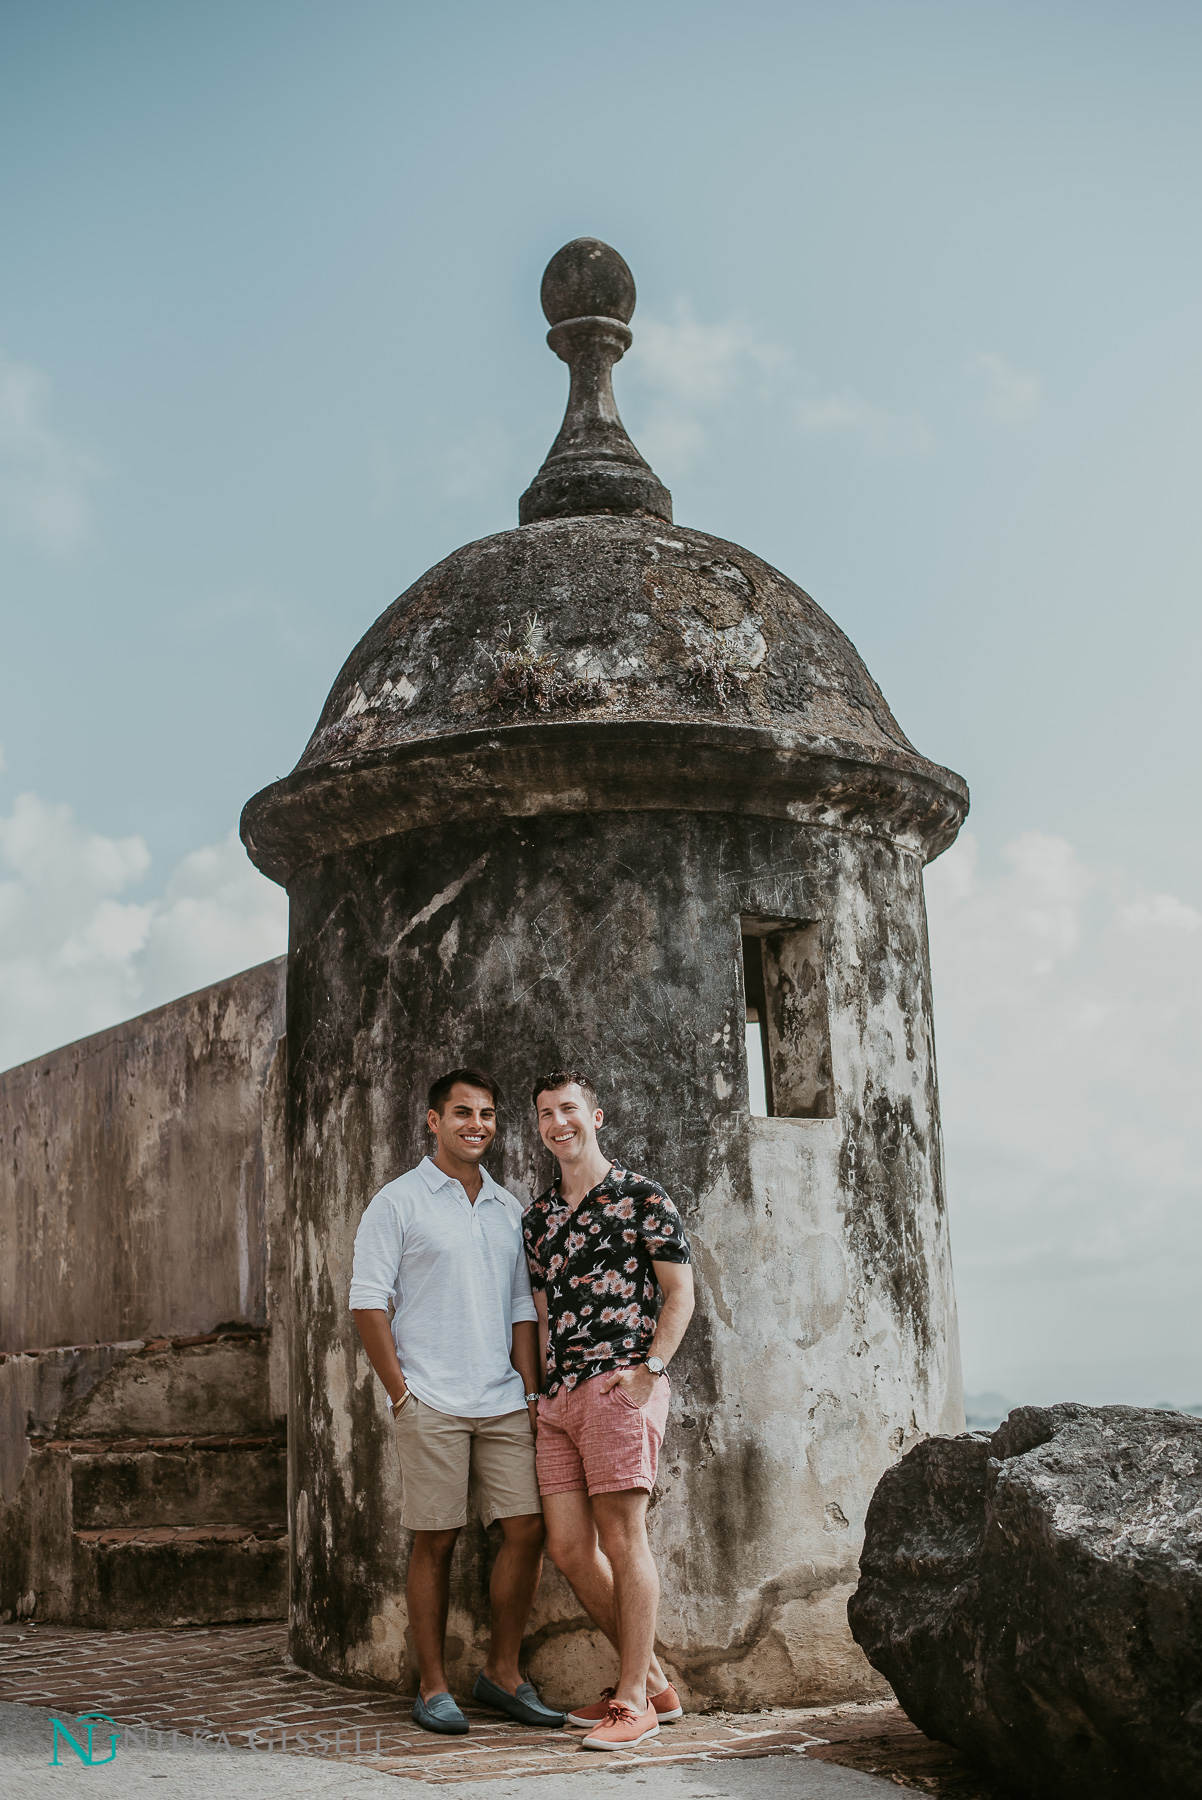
{"x":439,"y":1713}
{"x":524,"y":1706}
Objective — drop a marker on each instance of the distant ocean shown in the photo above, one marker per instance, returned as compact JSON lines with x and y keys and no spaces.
{"x":985,"y":1412}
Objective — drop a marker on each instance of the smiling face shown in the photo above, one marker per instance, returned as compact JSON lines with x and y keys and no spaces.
{"x":567,"y":1123}
{"x":467,"y":1124}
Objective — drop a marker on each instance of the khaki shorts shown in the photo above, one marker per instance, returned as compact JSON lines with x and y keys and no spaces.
{"x":442,"y":1455}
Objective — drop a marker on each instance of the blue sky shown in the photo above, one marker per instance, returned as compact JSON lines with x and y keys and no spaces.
{"x":918,"y":302}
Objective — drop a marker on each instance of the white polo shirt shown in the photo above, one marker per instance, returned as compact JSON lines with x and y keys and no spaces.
{"x":456,"y":1276}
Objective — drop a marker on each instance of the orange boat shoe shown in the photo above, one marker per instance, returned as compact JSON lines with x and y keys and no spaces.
{"x":666,"y":1703}
{"x":622,"y":1729}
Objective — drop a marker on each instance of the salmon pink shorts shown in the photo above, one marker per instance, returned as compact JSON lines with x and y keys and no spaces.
{"x":599,"y":1443}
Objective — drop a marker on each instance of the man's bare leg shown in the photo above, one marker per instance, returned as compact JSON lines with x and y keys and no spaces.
{"x":622,"y":1529}
{"x":575,"y":1549}
{"x":511,"y":1593}
{"x":427,"y":1594}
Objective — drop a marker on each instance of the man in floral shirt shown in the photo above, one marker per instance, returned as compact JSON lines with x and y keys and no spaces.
{"x":604,"y":1246}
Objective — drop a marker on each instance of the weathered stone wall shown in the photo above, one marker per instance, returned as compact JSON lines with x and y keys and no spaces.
{"x":133,"y":1173}
{"x":825,"y":1338}
{"x":142,"y":1390}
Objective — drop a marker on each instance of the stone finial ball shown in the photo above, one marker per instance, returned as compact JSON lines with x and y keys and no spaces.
{"x":584,"y":279}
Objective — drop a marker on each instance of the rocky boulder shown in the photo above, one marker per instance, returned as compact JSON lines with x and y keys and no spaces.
{"x":1034,"y":1597}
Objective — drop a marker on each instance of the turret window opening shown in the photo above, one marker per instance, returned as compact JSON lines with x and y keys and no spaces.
{"x":788,"y":1037}
{"x":759,"y":1075}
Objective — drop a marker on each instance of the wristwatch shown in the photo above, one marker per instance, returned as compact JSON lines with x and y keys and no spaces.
{"x":655,"y":1364}
{"x":530,"y":1397}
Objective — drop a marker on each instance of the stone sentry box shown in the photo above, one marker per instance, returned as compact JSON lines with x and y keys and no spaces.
{"x":557,"y":791}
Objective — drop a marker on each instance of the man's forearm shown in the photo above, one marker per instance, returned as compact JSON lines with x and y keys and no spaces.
{"x":376,"y":1333}
{"x":674,"y":1317}
{"x":523,"y":1354}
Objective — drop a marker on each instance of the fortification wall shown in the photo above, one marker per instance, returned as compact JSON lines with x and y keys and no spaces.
{"x":134,"y":1173}
{"x":142,"y":1390}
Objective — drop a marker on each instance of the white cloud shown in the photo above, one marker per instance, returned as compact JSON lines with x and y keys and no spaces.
{"x":45,"y":482}
{"x":217,"y":915}
{"x":113,"y":934}
{"x":1068,"y":1009}
{"x":76,"y":956}
{"x":686,"y":371}
{"x":1159,"y":913}
{"x":885,"y":432}
{"x":1007,"y":395}
{"x":696,"y":364}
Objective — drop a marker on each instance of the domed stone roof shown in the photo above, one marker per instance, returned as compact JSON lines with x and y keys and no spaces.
{"x":599,"y":657}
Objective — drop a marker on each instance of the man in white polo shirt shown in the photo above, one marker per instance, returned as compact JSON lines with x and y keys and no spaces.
{"x":442,"y":1246}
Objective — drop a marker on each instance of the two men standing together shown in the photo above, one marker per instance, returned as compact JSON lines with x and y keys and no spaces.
{"x":525,"y":1357}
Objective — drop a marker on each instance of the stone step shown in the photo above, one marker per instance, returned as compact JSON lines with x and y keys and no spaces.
{"x":177,"y":1386}
{"x":129,"y":1577}
{"x":182,"y":1534}
{"x":176,"y":1481}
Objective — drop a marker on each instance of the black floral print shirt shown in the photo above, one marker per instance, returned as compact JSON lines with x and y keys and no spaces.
{"x":595,"y":1267}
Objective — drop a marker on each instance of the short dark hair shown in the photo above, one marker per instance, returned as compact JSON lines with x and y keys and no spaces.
{"x":440,"y":1090}
{"x":559,"y":1078}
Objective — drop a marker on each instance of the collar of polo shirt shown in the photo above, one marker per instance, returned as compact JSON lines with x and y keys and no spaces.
{"x":434,"y":1177}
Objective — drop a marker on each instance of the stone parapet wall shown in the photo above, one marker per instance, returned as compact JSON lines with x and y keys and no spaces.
{"x":136,"y":1168}
{"x":142,"y":1388}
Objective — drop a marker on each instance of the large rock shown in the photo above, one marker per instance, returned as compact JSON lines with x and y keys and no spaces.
{"x":1035,"y":1599}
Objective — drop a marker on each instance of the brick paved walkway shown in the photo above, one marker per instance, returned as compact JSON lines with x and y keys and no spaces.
{"x":233,"y":1684}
